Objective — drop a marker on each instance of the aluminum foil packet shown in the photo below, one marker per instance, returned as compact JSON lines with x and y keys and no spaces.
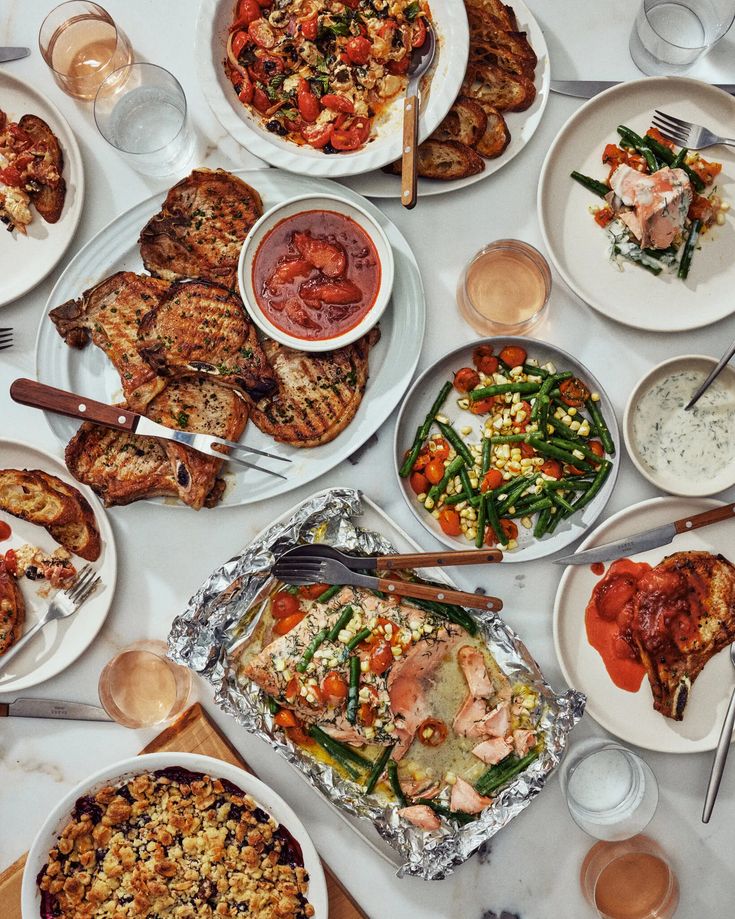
{"x":222,"y":615}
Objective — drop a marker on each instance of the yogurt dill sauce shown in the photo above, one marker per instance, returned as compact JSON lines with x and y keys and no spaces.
{"x":694,"y":444}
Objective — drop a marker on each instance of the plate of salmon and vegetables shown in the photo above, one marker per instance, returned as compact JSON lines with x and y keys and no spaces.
{"x":660,"y":258}
{"x":509,"y":442}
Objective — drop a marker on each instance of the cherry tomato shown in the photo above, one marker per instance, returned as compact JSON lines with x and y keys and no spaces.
{"x":334,"y":686}
{"x":337,"y":103}
{"x":596,"y":447}
{"x":284,"y":626}
{"x":419,"y":33}
{"x":482,"y":406}
{"x":358,"y":50}
{"x":312,"y":591}
{"x":308,"y":103}
{"x":261,"y":102}
{"x":527,"y":451}
{"x":466,"y":379}
{"x":293,"y":689}
{"x":507,"y":526}
{"x":432,"y":732}
{"x":438,"y":448}
{"x":11,"y":561}
{"x":265,"y":67}
{"x":419,"y":483}
{"x":449,"y":521}
{"x":10,"y":176}
{"x":353,"y":136}
{"x":284,"y":604}
{"x":381,"y":657}
{"x":513,"y":356}
{"x":262,"y":34}
{"x":492,"y":479}
{"x":573,"y":392}
{"x":552,"y":468}
{"x":238,"y":42}
{"x":398,"y":68}
{"x":706,"y":171}
{"x":317,"y":136}
{"x":483,"y":359}
{"x":246,"y":90}
{"x":5,"y":530}
{"x":366,"y":714}
{"x":522,"y":424}
{"x":310,"y":27}
{"x":434,"y":472}
{"x":286,"y":719}
{"x":298,"y":735}
{"x":248,"y":11}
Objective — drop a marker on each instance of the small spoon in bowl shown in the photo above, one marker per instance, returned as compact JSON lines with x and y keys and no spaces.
{"x":421,"y":59}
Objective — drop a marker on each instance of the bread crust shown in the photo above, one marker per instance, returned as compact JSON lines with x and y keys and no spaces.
{"x":27,"y":495}
{"x":81,"y":536}
{"x":49,"y":202}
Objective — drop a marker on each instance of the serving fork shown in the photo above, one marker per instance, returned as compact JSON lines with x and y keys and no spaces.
{"x":687,"y":134}
{"x":64,"y":604}
{"x":392,"y":562}
{"x":6,"y":339}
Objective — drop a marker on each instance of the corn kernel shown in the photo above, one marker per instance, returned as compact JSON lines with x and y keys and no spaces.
{"x":725,"y":206}
{"x":443,"y":419}
{"x":435,"y":515}
{"x":720,"y":219}
{"x":595,"y":397}
{"x":575,"y":425}
{"x":512,"y":543}
{"x":571,"y":411}
{"x":526,"y":523}
{"x":364,"y":666}
{"x":429,"y":504}
{"x":421,"y":497}
{"x":463,"y":403}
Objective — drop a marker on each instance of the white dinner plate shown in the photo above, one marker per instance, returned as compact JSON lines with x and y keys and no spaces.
{"x":446,"y":75}
{"x":631,"y":716}
{"x":392,"y":361}
{"x":25,"y":260}
{"x":418,"y":401}
{"x":60,"y":643}
{"x":578,"y":247}
{"x":522,"y":127}
{"x":124,"y":770}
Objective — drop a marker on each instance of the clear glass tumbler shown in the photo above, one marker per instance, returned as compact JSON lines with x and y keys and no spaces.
{"x":141,"y":111}
{"x":670,"y":35}
{"x":82,"y":45}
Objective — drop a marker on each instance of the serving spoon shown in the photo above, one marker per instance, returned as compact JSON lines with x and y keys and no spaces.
{"x":421,"y":59}
{"x":716,"y":371}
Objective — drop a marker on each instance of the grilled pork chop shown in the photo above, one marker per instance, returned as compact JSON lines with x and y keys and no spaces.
{"x":201,"y":328}
{"x":318,"y":394}
{"x":199,"y":231}
{"x":109,"y":314}
{"x":683,"y":614}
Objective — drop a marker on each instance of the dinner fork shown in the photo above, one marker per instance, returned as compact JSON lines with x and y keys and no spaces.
{"x":6,"y":339}
{"x":686,"y":134}
{"x":64,"y":604}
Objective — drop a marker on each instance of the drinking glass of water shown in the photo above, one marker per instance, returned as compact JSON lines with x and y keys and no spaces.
{"x":140,"y":110}
{"x":611,"y":793}
{"x":670,"y":35}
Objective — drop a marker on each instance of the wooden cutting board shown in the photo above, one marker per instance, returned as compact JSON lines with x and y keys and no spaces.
{"x":193,"y":732}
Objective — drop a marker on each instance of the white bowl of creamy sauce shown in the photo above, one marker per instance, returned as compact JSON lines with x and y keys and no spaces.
{"x":684,"y":453}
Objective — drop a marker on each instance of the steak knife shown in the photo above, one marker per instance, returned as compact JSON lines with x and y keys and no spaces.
{"x":13,"y":54}
{"x":649,"y":539}
{"x":39,"y":395}
{"x":50,"y":708}
{"x":586,"y":89}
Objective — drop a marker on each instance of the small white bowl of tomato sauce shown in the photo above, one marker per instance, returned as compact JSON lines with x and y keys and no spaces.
{"x":316,"y":272}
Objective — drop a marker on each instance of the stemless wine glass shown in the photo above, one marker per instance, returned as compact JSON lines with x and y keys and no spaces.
{"x":82,"y":45}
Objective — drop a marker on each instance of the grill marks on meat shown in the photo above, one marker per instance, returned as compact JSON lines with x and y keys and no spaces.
{"x":199,"y":231}
{"x":318,"y":394}
{"x":199,"y":327}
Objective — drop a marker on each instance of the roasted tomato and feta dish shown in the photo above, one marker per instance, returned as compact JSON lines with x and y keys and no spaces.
{"x":402,"y":698}
{"x":659,"y":201}
{"x":322,"y":72}
{"x":316,"y":274}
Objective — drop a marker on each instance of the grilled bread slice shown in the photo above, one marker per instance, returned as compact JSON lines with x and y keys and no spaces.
{"x":465,"y":122}
{"x":199,"y":231}
{"x":109,"y":314}
{"x":496,"y":137}
{"x":491,"y":84}
{"x":443,"y":159}
{"x":27,"y":495}
{"x":318,"y":393}
{"x":12,"y":609}
{"x":504,"y":14}
{"x":491,"y":43}
{"x":81,"y":536}
{"x":48,"y":198}
{"x":204,"y":406}
{"x":201,"y":328}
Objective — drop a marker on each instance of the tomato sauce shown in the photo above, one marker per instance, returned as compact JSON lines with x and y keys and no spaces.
{"x":608,"y":620}
{"x":316,"y":275}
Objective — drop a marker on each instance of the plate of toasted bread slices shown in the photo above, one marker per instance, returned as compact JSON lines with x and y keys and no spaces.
{"x":498,"y":109}
{"x":50,"y":528}
{"x":41,"y":187}
{"x":148,"y":315}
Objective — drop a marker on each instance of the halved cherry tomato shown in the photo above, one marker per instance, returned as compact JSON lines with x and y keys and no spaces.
{"x":366,"y":714}
{"x":284,"y":626}
{"x":527,"y":451}
{"x":352,"y":136}
{"x":334,"y":686}
{"x":603,"y":216}
{"x":308,"y":102}
{"x":484,"y":360}
{"x":419,"y":483}
{"x":310,"y":27}
{"x":552,"y":468}
{"x":238,"y":42}
{"x":432,"y":732}
{"x":11,"y":561}
{"x":246,"y":90}
{"x":10,"y":176}
{"x":507,"y":526}
{"x":298,"y":735}
{"x":317,"y":136}
{"x":434,"y":472}
{"x":248,"y":11}
{"x":262,"y":34}
{"x":482,"y":406}
{"x":5,"y":530}
{"x":657,"y":135}
{"x":573,"y":392}
{"x":438,"y":448}
{"x":265,"y":67}
{"x":261,"y":102}
{"x":398,"y":68}
{"x":419,"y":33}
{"x":449,"y":521}
{"x":513,"y":356}
{"x":466,"y":379}
{"x":614,"y":156}
{"x":337,"y":103}
{"x":284,"y":604}
{"x":293,"y":689}
{"x":596,"y":447}
{"x":492,"y":479}
{"x":286,"y":719}
{"x":523,"y":423}
{"x":706,"y":171}
{"x":381,"y":657}
{"x":312,"y":591}
{"x":358,"y":49}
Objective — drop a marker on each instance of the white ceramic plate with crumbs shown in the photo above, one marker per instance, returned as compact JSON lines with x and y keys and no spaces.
{"x":25,"y":260}
{"x":60,"y":643}
{"x":630,"y":715}
{"x":127,"y":769}
{"x":446,"y":75}
{"x":392,"y":361}
{"x":578,"y":247}
{"x":521,"y":125}
{"x":419,"y":400}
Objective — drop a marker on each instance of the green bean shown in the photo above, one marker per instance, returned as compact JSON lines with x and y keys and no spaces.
{"x":481,"y":514}
{"x":577,"y":483}
{"x":509,"y":439}
{"x":354,"y":689}
{"x":668,"y":157}
{"x":543,"y":393}
{"x":499,"y":389}
{"x":514,"y":491}
{"x":651,"y":161}
{"x":423,"y":432}
{"x":308,"y":654}
{"x":378,"y":769}
{"x":556,"y":453}
{"x":466,"y":484}
{"x":542,"y":521}
{"x":531,"y":370}
{"x":487,"y":450}
{"x":341,"y":623}
{"x":474,"y":500}
{"x":602,"y":430}
{"x":445,"y":812}
{"x":537,"y":505}
{"x":394,"y":783}
{"x":598,"y":188}
{"x":501,"y":773}
{"x":343,"y":749}
{"x":448,"y":611}
{"x":688,"y":251}
{"x":554,"y":521}
{"x":561,"y":503}
{"x":356,"y":639}
{"x":273,"y":706}
{"x":451,"y":470}
{"x":597,"y":483}
{"x":329,"y":593}
{"x":573,"y":445}
{"x":456,"y":441}
{"x":679,"y":158}
{"x":491,"y":512}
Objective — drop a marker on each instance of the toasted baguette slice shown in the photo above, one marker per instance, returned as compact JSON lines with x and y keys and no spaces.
{"x":12,"y":609}
{"x":491,"y":43}
{"x":81,"y":536}
{"x":48,"y":201}
{"x":504,"y":14}
{"x":496,"y":137}
{"x":490,"y":84}
{"x":443,"y":159}
{"x":24,"y":494}
{"x":465,"y":122}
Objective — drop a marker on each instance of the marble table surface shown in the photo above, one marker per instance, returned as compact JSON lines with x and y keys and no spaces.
{"x":531,"y":868}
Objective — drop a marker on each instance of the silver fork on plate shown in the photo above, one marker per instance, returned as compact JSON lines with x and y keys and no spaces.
{"x":64,"y":604}
{"x":6,"y":339}
{"x":686,"y":134}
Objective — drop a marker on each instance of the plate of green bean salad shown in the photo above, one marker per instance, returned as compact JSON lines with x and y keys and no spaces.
{"x":508,"y":442}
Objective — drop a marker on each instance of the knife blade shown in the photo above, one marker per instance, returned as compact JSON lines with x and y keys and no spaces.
{"x":586,"y":89}
{"x":51,"y":708}
{"x":648,"y":539}
{"x":13,"y":54}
